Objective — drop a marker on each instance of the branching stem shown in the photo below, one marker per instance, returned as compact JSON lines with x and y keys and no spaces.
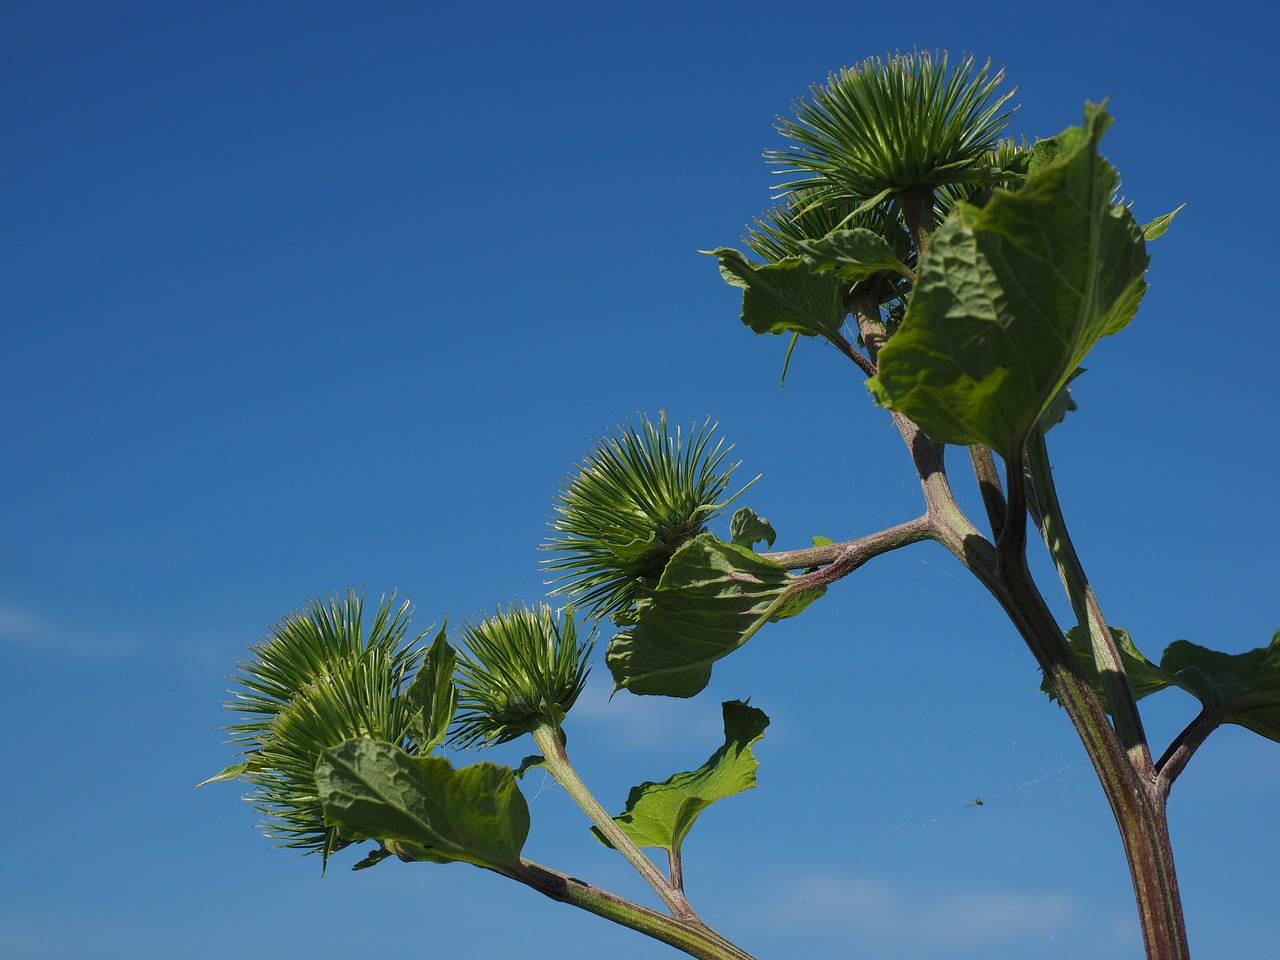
{"x":692,"y":937}
{"x":1174,"y":760}
{"x":840,"y":559}
{"x":1047,"y":512}
{"x":1136,"y":801}
{"x":551,"y":743}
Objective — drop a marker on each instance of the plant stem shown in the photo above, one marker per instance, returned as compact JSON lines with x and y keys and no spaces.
{"x":1047,"y":512}
{"x":1174,"y":760}
{"x":1136,"y":799}
{"x":557,"y":761}
{"x":865,"y":308}
{"x":693,"y":938}
{"x":841,"y":559}
{"x":984,"y":469}
{"x":918,"y":215}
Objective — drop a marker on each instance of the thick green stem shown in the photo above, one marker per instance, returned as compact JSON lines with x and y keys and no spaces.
{"x":918,"y":215}
{"x":1136,"y":801}
{"x":1136,"y":798}
{"x":557,"y":762}
{"x":1047,"y":512}
{"x":693,"y":938}
{"x":988,"y":477}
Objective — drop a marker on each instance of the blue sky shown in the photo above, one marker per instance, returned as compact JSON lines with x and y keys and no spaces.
{"x":297,"y":297}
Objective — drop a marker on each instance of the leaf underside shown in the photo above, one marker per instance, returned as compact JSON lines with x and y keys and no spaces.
{"x":784,"y":297}
{"x":712,"y":598}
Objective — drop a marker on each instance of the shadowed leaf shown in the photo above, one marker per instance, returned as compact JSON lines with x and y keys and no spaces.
{"x":433,"y":696}
{"x":1244,"y":688}
{"x":747,"y":528}
{"x":851,"y":255}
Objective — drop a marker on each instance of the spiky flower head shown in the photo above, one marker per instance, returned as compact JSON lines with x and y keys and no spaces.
{"x":887,"y":127}
{"x":522,"y":668}
{"x":637,"y":497}
{"x":317,"y":680}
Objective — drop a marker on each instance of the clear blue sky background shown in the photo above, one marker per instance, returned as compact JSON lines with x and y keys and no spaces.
{"x":302,"y":296}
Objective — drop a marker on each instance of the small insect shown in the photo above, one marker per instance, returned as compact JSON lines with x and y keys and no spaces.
{"x":975,"y":802}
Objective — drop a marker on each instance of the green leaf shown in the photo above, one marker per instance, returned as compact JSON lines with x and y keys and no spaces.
{"x":1157,"y":227}
{"x":747,"y":528}
{"x":1144,"y":676}
{"x":1011,"y":297}
{"x":851,"y":254}
{"x":712,"y":598}
{"x":785,"y":296}
{"x":375,"y":791}
{"x":433,"y":696}
{"x":661,"y":814}
{"x":1243,"y":688}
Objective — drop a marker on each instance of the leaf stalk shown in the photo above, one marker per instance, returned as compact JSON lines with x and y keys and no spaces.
{"x":551,"y":743}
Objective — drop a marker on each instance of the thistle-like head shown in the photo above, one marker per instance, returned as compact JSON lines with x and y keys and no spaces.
{"x":636,"y":498}
{"x":521,"y":668}
{"x":317,"y":680}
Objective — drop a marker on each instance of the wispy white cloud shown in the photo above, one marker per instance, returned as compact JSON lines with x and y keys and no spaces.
{"x":646,"y":722}
{"x":31,"y":629}
{"x":872,"y":910}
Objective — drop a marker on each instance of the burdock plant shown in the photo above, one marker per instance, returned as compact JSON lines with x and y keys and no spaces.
{"x":318,"y":679}
{"x":638,"y":496}
{"x":966,"y":275}
{"x":521,"y":669}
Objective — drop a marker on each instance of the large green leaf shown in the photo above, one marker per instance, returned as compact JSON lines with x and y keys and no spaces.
{"x":661,"y":814}
{"x":1242,"y":688}
{"x":785,"y":296}
{"x":711,"y":599}
{"x":375,"y":791}
{"x":433,"y":696}
{"x":1012,"y":296}
{"x":851,"y":254}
